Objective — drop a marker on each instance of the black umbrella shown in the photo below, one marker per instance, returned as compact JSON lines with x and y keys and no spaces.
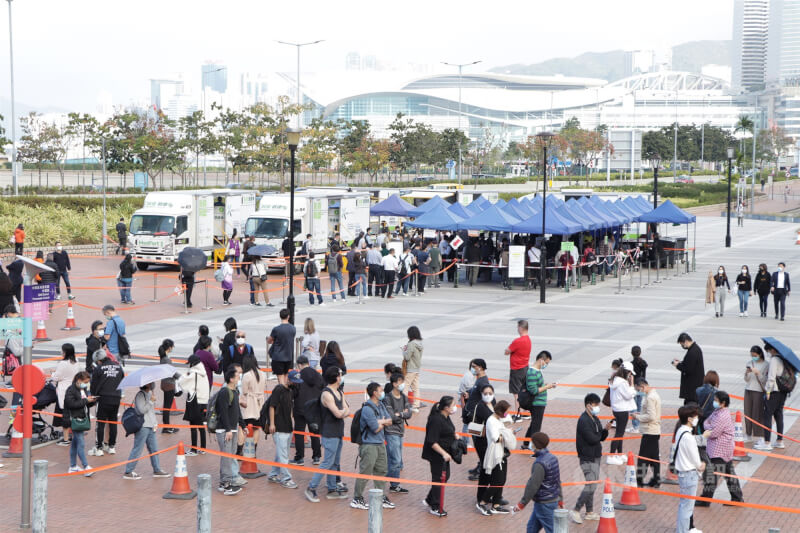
{"x":262,"y":250}
{"x":192,"y":259}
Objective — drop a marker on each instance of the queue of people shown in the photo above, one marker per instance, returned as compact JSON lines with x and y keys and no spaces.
{"x":763,"y":284}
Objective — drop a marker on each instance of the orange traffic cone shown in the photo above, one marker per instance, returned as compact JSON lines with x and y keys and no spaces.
{"x":608,"y":523}
{"x":15,"y":446}
{"x":669,"y":478}
{"x":174,"y":406}
{"x":738,"y":440}
{"x":630,"y":496}
{"x":70,"y":325}
{"x":180,"y":481}
{"x":41,"y":332}
{"x":249,"y":469}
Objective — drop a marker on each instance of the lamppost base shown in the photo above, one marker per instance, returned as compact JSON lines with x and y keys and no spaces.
{"x":290,"y":307}
{"x":727,"y":241}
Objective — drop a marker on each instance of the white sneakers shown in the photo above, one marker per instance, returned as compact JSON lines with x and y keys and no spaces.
{"x":576,"y":517}
{"x":695,"y":530}
{"x":615,"y":460}
{"x":763,"y":446}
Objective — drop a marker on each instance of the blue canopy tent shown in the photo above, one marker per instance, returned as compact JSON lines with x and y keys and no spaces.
{"x":393,"y":206}
{"x":625,"y":208}
{"x":601,"y":207}
{"x":479,"y":204}
{"x":623,"y":216}
{"x":460,"y":210}
{"x":500,"y":202}
{"x":555,"y":224}
{"x":634,"y":204}
{"x":589,"y":211}
{"x":492,"y":219}
{"x":525,"y":206}
{"x":516,"y":211}
{"x":437,"y":218}
{"x":672,"y":214}
{"x":427,"y":206}
{"x":574,"y":212}
{"x":645,"y":204}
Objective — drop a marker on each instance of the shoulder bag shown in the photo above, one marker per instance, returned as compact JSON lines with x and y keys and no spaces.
{"x":475,"y":429}
{"x":83,"y":423}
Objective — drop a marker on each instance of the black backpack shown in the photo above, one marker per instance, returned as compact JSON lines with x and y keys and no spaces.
{"x":311,"y":269}
{"x":403,"y":268}
{"x":312,"y":410}
{"x":212,"y":417}
{"x":526,"y":397}
{"x":356,"y":435}
{"x":787,"y":380}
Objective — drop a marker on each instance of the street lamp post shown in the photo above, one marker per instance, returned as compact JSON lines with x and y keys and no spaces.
{"x":728,"y":231}
{"x":13,"y":114}
{"x":105,"y":224}
{"x":203,"y":83}
{"x":293,"y":138}
{"x":545,"y":138}
{"x":460,"y":66}
{"x":298,"y":46}
{"x":655,"y":159}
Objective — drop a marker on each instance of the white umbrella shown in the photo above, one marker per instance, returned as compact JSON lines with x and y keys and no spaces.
{"x":148,"y":374}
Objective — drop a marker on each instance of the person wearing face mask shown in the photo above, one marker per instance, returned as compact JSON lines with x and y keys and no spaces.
{"x":650,"y":420}
{"x":755,"y":377}
{"x":720,"y":282}
{"x":144,"y":403}
{"x":464,"y":388}
{"x":95,"y":341}
{"x":61,"y":259}
{"x":106,"y":378}
{"x":115,"y":327}
{"x":688,"y":465}
{"x":761,"y":285}
{"x":372,"y":451}
{"x":622,"y":403}
{"x":534,"y":383}
{"x":589,"y":436}
{"x":744,"y":284}
{"x":543,"y":487}
{"x":500,"y":441}
{"x":440,"y":433}
{"x":252,"y":394}
{"x":482,"y":412}
{"x":197,"y":391}
{"x":167,"y":384}
{"x":780,"y":287}
{"x":478,"y":370}
{"x":239,"y":350}
{"x":397,"y":405}
{"x":308,"y":386}
{"x":77,"y":400}
{"x":719,"y":432}
{"x":277,"y":417}
{"x":691,"y":368}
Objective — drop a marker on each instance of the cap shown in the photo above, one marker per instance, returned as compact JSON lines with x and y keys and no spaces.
{"x":627,"y":365}
{"x":294,"y":377}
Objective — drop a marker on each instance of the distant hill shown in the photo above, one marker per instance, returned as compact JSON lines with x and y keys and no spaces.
{"x":610,"y":66}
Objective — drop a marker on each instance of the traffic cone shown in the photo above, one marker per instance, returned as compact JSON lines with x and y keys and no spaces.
{"x":608,"y":523}
{"x":738,"y":440}
{"x":41,"y":332}
{"x":180,"y":481}
{"x":669,"y":478}
{"x":15,"y":445}
{"x":249,"y":469}
{"x":174,"y":406}
{"x":70,"y":325}
{"x":798,"y":237}
{"x":630,"y":496}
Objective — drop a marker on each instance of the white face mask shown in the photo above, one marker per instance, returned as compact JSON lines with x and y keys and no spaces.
{"x":721,"y":272}
{"x":487,"y":398}
{"x":595,"y":410}
{"x":693,"y":421}
{"x":744,"y":271}
{"x":59,"y":248}
{"x":101,"y":332}
{"x":453,"y":409}
{"x":240,"y":340}
{"x":401,"y":387}
{"x":780,"y":269}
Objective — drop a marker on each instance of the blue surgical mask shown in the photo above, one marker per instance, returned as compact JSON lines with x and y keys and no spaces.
{"x":596,"y":410}
{"x":474,"y":371}
{"x":716,"y":404}
{"x":544,"y":366}
{"x":84,"y":385}
{"x":754,"y":359}
{"x":382,"y":396}
{"x":401,"y":387}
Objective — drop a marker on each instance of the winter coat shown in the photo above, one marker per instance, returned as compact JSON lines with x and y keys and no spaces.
{"x":710,"y":288}
{"x":62,"y":376}
{"x":195,"y":384}
{"x":252,"y":394}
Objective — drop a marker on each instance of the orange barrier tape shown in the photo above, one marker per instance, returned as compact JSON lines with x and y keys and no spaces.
{"x":767,"y":454}
{"x":781,"y":435}
{"x":113,"y":465}
{"x":756,"y":480}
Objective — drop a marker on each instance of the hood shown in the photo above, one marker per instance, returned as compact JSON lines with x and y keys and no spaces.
{"x":309,"y":376}
{"x":199,"y":369}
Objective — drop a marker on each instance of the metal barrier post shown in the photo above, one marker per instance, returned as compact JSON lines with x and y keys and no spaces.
{"x":207,"y":307}
{"x":185,"y":308}
{"x":649,"y":266}
{"x":579,"y":278}
{"x":774,"y":530}
{"x":603,"y":266}
{"x":416,"y":282}
{"x":619,"y":279}
{"x":358,"y":291}
{"x":155,"y":288}
{"x":455,"y":284}
{"x":375,"y":518}
{"x":694,"y":264}
{"x":632,"y":265}
{"x":560,"y":522}
{"x":39,"y":496}
{"x":204,"y":503}
{"x":658,"y":267}
{"x":566,"y":278}
{"x":640,"y":274}
{"x":594,"y":275}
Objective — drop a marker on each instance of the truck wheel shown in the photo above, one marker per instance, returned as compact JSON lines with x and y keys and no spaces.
{"x":142,"y":266}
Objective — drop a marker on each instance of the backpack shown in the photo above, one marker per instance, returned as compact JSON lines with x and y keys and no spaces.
{"x":526,"y":397}
{"x":333,"y":265}
{"x":356,"y":435}
{"x":311,"y":269}
{"x":218,"y":275}
{"x":10,"y":362}
{"x":122,"y":343}
{"x":787,"y":380}
{"x":312,"y":410}
{"x":212,"y":417}
{"x":132,"y":421}
{"x":403,"y":267}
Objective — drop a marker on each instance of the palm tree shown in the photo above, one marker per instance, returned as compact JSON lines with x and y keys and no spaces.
{"x":744,"y":125}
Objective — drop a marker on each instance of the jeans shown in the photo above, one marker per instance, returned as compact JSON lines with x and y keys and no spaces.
{"x":762,"y":302}
{"x":336,"y":277}
{"x":375,"y":277}
{"x":64,"y":275}
{"x":144,"y":436}
{"x":591,"y":472}
{"x":107,"y":413}
{"x":371,"y":462}
{"x":688,"y":486}
{"x":314,"y":288}
{"x":719,"y":300}
{"x":388,"y":283}
{"x":638,"y":400}
{"x":402,"y":283}
{"x":76,"y":449}
{"x":394,"y":453}
{"x":361,"y":281}
{"x":228,"y":468}
{"x":744,"y":297}
{"x":252,"y":291}
{"x":125,"y":289}
{"x":282,"y":441}
{"x":330,"y":461}
{"x":542,"y":517}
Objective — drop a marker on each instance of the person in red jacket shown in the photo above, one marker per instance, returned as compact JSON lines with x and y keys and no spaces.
{"x":19,"y":239}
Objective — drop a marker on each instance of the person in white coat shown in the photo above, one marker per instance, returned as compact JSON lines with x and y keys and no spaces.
{"x":622,"y":403}
{"x":62,"y":378}
{"x":194,"y":384}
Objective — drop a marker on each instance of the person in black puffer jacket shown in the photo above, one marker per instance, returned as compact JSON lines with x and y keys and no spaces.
{"x":47,"y":277}
{"x":126,"y":270}
{"x":94,"y":342}
{"x":306,"y":385}
{"x":15,"y":274}
{"x":77,"y":401}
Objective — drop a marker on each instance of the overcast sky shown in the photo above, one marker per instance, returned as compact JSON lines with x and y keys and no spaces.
{"x":67,"y":52}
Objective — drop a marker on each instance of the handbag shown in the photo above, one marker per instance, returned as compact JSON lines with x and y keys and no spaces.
{"x":475,"y":429}
{"x":607,"y":397}
{"x":81,"y":423}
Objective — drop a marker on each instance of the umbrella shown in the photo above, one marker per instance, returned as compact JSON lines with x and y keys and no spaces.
{"x":148,"y":374}
{"x":784,"y":351}
{"x":261,"y":250}
{"x":192,"y":259}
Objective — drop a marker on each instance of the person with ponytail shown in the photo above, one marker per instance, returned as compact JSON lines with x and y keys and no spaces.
{"x":168,"y":384}
{"x":440,"y":433}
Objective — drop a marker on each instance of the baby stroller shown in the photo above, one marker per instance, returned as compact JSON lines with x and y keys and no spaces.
{"x":42,"y":430}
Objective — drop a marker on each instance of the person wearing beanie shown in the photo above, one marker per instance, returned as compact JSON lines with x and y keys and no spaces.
{"x":543,"y":487}
{"x":106,"y":377}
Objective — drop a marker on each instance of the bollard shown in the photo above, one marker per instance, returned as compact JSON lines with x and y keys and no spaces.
{"x":579,"y":280}
{"x":204,"y":503}
{"x":560,"y":521}
{"x":358,"y":291}
{"x":566,"y":279}
{"x":649,"y":265}
{"x":658,"y":268}
{"x":207,"y":307}
{"x":283,"y":289}
{"x":774,"y":530}
{"x":39,"y":496}
{"x":155,"y":288}
{"x":694,"y":264}
{"x":375,"y":520}
{"x":455,"y":284}
{"x":594,"y":276}
{"x":619,"y":281}
{"x":632,"y":265}
{"x":603,"y":266}
{"x":640,"y":274}
{"x":416,"y":283}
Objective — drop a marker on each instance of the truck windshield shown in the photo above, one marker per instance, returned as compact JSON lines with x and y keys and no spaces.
{"x":152,"y":224}
{"x":267,"y":228}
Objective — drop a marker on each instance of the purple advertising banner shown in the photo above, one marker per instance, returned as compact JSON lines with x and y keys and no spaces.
{"x":37,"y":300}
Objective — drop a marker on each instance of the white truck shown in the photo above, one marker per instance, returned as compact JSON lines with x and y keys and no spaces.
{"x":170,"y":221}
{"x":321,"y":212}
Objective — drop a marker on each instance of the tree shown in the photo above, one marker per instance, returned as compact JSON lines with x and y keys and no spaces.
{"x":585,"y":145}
{"x":449,"y":141}
{"x":655,"y":143}
{"x":196,"y":138}
{"x":319,"y":145}
{"x":62,"y":138}
{"x":3,"y":140}
{"x":84,"y":127}
{"x":360,"y":151}
{"x":776,"y":142}
{"x":229,"y":133}
{"x":571,"y":124}
{"x":36,"y":142}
